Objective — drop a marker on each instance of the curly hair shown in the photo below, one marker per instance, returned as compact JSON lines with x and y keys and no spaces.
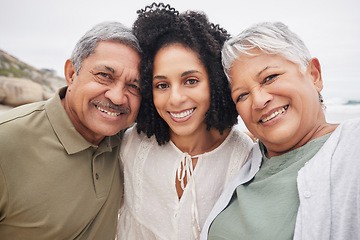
{"x":160,"y":25}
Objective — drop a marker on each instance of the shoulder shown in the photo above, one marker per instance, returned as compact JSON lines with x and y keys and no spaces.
{"x":18,"y":121}
{"x":241,"y":147}
{"x":21,"y":112}
{"x":347,"y":132}
{"x":131,"y":134}
{"x":241,"y":139}
{"x":350,"y":125}
{"x":340,"y":147}
{"x":132,"y":141}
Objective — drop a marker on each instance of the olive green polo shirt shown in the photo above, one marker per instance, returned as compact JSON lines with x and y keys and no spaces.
{"x":53,"y":183}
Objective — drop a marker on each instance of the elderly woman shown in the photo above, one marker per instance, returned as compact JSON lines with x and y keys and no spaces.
{"x":303,"y":179}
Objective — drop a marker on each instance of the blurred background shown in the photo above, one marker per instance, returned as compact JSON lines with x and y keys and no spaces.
{"x":38,"y":36}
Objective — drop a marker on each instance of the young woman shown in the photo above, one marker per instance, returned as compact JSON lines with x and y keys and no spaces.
{"x":302,"y":181}
{"x":184,"y":148}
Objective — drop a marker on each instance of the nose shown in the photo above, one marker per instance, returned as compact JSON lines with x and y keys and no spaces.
{"x":117,"y":94}
{"x":177,"y":95}
{"x":261,"y":98}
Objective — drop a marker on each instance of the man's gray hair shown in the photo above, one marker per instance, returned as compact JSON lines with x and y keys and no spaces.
{"x":106,"y":31}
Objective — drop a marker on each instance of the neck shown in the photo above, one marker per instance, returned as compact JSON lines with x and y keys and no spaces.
{"x":319,"y":131}
{"x":199,"y":143}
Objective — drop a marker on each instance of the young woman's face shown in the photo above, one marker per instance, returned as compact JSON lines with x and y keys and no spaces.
{"x":277,"y":101}
{"x":181,"y":89}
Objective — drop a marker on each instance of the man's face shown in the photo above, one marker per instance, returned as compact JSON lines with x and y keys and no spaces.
{"x":104,"y":97}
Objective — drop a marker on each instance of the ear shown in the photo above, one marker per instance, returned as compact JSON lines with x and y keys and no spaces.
{"x":70,"y":72}
{"x":314,"y":70}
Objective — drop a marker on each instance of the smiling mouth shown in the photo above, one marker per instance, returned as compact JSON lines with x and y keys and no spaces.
{"x":110,"y":109}
{"x":113,"y":114}
{"x":273,"y":115}
{"x":182,"y":114}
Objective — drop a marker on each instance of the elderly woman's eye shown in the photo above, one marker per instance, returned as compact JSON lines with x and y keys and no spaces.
{"x":241,"y":97}
{"x":271,"y":77}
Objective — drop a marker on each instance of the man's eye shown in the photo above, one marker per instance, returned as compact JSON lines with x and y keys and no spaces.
{"x":134,"y":86}
{"x":134,"y":89}
{"x":105,"y":75}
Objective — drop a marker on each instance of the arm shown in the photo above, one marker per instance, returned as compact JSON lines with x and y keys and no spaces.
{"x":4,"y":196}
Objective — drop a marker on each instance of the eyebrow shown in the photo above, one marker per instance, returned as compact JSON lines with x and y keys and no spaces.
{"x":107,"y":68}
{"x":135,"y":80}
{"x":266,"y":68}
{"x":190,"y":72}
{"x":182,"y":75}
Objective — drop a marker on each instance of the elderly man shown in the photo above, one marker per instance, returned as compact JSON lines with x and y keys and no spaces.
{"x":59,"y":168}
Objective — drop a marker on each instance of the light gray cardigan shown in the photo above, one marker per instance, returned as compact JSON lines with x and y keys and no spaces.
{"x":328,"y":186}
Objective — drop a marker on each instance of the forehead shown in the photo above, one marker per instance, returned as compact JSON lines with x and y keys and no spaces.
{"x":177,"y":52}
{"x":114,"y":57}
{"x":110,"y":50}
{"x":258,"y":62}
{"x":175,"y":59}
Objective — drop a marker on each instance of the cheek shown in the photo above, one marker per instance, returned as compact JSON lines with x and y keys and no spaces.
{"x":159,"y":102}
{"x":206,"y":101}
{"x":156,"y":100}
{"x":135,"y":104}
{"x":241,"y":109}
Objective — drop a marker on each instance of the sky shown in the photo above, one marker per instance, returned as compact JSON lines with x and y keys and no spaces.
{"x":43,"y":33}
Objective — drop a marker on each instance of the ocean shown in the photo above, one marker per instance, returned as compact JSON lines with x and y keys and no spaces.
{"x":339,"y":112}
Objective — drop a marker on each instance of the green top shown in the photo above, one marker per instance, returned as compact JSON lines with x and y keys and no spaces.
{"x":53,"y":183}
{"x":266,"y":207}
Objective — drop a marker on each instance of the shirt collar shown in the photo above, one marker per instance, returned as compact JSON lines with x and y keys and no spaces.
{"x":69,"y":137}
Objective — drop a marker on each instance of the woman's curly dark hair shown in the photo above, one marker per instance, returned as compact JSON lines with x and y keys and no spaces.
{"x":159,"y":25}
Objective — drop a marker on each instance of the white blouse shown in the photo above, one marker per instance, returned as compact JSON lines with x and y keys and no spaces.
{"x":151,"y":207}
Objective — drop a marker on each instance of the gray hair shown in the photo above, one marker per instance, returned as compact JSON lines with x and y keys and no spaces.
{"x":270,"y":38}
{"x":106,"y":31}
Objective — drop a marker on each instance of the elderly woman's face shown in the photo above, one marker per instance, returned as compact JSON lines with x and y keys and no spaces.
{"x":278,"y":102}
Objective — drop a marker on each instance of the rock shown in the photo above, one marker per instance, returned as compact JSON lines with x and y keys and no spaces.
{"x":20,"y":83}
{"x":18,"y":91}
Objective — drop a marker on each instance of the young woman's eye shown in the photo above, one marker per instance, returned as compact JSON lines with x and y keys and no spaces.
{"x":161,"y":85}
{"x":191,"y":81}
{"x":270,"y":78}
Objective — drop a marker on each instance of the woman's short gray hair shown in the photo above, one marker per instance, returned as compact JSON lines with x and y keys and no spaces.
{"x":270,"y":38}
{"x":106,"y":31}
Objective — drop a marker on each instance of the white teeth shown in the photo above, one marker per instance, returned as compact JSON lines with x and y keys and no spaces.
{"x":274,"y":114}
{"x":182,"y":114}
{"x":107,"y":112}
